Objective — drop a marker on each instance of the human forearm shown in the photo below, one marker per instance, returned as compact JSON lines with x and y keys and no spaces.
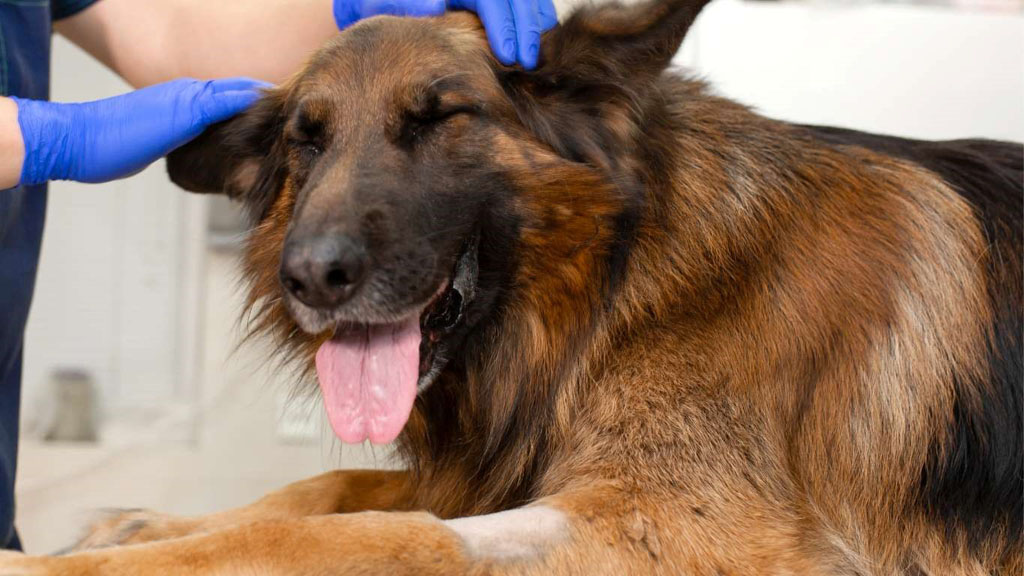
{"x":12,"y":147}
{"x":155,"y":41}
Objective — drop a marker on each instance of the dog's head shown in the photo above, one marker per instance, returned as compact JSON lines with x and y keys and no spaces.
{"x":407,"y":190}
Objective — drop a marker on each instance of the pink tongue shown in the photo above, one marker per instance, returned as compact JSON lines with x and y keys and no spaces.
{"x":368,"y":378}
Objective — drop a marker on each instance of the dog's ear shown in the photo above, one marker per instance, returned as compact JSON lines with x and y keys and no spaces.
{"x":242,"y":157}
{"x":596,"y":69}
{"x":616,"y":41}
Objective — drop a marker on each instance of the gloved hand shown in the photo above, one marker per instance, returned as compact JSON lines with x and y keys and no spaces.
{"x":513,"y":26}
{"x":117,"y":137}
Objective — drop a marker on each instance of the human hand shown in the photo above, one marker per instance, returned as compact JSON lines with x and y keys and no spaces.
{"x":513,"y":26}
{"x":117,"y":137}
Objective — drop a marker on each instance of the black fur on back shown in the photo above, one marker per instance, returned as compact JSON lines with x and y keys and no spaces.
{"x":977,"y":485}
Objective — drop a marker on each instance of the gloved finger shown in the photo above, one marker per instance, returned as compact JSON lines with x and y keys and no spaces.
{"x":499,"y":23}
{"x":221,"y":106}
{"x":402,"y":7}
{"x":235,"y":84}
{"x":345,"y":13}
{"x":548,"y":15}
{"x":527,"y":22}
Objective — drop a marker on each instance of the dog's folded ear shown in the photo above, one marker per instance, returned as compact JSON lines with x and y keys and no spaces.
{"x":240,"y":157}
{"x":595,"y":73}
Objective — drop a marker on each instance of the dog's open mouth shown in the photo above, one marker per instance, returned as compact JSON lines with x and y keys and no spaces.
{"x":370,"y":374}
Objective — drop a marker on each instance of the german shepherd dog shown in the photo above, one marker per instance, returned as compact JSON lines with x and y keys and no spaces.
{"x":616,"y":325}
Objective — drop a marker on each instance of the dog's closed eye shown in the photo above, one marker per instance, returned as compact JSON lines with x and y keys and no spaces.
{"x":306,"y":136}
{"x":306,"y":150}
{"x":420,"y":125}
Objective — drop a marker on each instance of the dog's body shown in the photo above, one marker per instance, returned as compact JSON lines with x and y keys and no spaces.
{"x":696,"y":341}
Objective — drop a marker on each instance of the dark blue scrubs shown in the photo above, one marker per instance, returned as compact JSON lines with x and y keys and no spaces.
{"x":25,"y":27}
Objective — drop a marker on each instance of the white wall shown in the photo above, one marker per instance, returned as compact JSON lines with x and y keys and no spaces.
{"x":116,"y":287}
{"x":921,"y":71}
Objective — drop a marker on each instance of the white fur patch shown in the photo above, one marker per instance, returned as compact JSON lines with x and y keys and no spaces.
{"x":514,"y":534}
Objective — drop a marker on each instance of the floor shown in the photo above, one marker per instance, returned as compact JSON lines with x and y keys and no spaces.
{"x":239,"y":449}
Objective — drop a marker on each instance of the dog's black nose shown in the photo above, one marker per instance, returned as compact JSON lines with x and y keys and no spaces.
{"x":322,"y":272}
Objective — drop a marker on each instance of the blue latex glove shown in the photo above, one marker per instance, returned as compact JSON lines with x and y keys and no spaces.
{"x":117,"y":137}
{"x":513,"y":26}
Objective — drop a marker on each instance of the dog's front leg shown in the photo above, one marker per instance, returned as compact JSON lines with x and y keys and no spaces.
{"x":330,"y":493}
{"x":560,"y":535}
{"x":361,"y":543}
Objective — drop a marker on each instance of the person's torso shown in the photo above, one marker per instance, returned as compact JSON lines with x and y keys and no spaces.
{"x":25,"y":30}
{"x":25,"y":27}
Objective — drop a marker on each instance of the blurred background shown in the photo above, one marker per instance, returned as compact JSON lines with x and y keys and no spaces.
{"x":134,"y":392}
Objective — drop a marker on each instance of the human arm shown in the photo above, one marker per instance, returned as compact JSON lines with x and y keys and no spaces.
{"x":159,"y":40}
{"x":12,"y":147}
{"x":155,"y":41}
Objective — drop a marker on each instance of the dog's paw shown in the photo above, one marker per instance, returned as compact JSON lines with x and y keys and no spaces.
{"x":124,"y":527}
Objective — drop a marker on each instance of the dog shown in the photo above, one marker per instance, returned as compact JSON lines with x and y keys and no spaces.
{"x":615,"y":324}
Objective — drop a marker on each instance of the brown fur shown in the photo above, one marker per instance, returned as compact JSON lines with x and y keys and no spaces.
{"x":727,"y":345}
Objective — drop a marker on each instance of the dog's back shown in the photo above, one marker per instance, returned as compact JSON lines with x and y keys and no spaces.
{"x":974,"y":478}
{"x":874,"y":283}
